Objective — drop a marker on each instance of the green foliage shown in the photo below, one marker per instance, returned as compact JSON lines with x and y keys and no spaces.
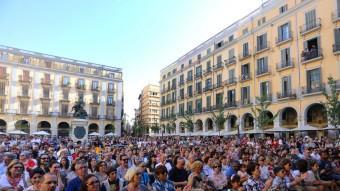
{"x":219,"y":119}
{"x":260,"y":112}
{"x":188,"y":124}
{"x":155,"y":128}
{"x":172,"y":123}
{"x":332,"y":104}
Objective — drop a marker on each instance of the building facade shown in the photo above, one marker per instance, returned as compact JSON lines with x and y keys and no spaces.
{"x":38,"y":91}
{"x":285,"y":51}
{"x":149,"y":106}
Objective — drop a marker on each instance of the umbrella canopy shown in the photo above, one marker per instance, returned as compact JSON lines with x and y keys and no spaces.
{"x":17,"y":132}
{"x":94,"y":134}
{"x":2,"y":133}
{"x":40,"y":133}
{"x":110,"y":134}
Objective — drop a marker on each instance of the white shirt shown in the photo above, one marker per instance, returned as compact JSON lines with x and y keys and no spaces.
{"x":167,"y":165}
{"x":4,"y":182}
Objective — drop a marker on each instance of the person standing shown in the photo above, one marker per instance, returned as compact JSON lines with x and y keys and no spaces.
{"x":81,"y":172}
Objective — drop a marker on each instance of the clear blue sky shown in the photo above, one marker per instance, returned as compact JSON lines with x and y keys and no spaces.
{"x":139,"y":36}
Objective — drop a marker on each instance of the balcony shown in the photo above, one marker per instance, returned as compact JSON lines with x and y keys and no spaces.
{"x":266,"y":98}
{"x":262,"y":48}
{"x":218,"y":107}
{"x":289,"y":94}
{"x":189,"y":79}
{"x":245,"y":77}
{"x":230,"y":104}
{"x":310,"y":27}
{"x":313,"y":90}
{"x":207,"y":71}
{"x":336,"y":48}
{"x":230,"y":61}
{"x":110,"y":117}
{"x":64,"y":100}
{"x":263,"y":71}
{"x":25,"y":79}
{"x":188,"y":95}
{"x":93,"y":116}
{"x":95,"y":88}
{"x":110,"y":90}
{"x":218,"y":66}
{"x":198,"y":92}
{"x":336,"y":15}
{"x":181,"y":83}
{"x":311,"y":55}
{"x":207,"y":109}
{"x":244,"y":56}
{"x":3,"y":76}
{"x":46,"y":98}
{"x":207,"y":88}
{"x":80,"y":86}
{"x":284,"y":38}
{"x":173,"y":87}
{"x":198,"y":110}
{"x":24,"y":95}
{"x":284,"y":65}
{"x":95,"y":101}
{"x":199,"y":75}
{"x":218,"y":85}
{"x":45,"y":82}
{"x":230,"y":81}
{"x":65,"y":84}
{"x":180,"y":97}
{"x":245,"y":102}
{"x":65,"y":114}
{"x":111,"y":103}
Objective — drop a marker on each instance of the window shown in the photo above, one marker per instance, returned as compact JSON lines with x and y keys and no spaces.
{"x":219,"y":60}
{"x":285,"y":57}
{"x":64,"y":109}
{"x":283,"y":9}
{"x":65,"y":94}
{"x":313,"y":79}
{"x":245,"y":73}
{"x":199,"y":71}
{"x":81,"y":96}
{"x":245,"y":48}
{"x":219,"y":44}
{"x":245,"y":31}
{"x":181,"y":108}
{"x":208,"y":100}
{"x":95,"y":85}
{"x":284,"y":32}
{"x":286,"y":86}
{"x":231,"y":97}
{"x":94,"y":111}
{"x":198,"y":105}
{"x":231,"y":53}
{"x":189,"y":106}
{"x":219,"y":80}
{"x":219,"y":99}
{"x":231,"y":38}
{"x":181,"y":93}
{"x":245,"y":91}
{"x":264,"y":89}
{"x":109,"y":100}
{"x":261,"y":42}
{"x":189,"y":90}
{"x":208,"y":50}
{"x":310,"y":19}
{"x":311,"y":49}
{"x":111,"y":87}
{"x":48,"y":64}
{"x":182,"y":66}
{"x":336,"y":46}
{"x":208,"y":83}
{"x":262,"y":65}
{"x":190,"y":62}
{"x":173,"y":86}
{"x":26,"y":75}
{"x":95,"y":98}
{"x":173,"y":96}
{"x":81,"y":83}
{"x":2,"y":88}
{"x":66,"y":81}
{"x":2,"y":71}
{"x":189,"y":75}
{"x":174,"y":71}
{"x":209,"y":66}
{"x":199,"y":87}
{"x":45,"y":107}
{"x":199,"y":57}
{"x":24,"y":107}
{"x":46,"y":93}
{"x":2,"y":105}
{"x":181,"y":79}
{"x":25,"y":90}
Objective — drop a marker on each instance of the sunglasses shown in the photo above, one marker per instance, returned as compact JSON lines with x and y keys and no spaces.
{"x":93,"y":182}
{"x":44,"y":158}
{"x":217,"y":166}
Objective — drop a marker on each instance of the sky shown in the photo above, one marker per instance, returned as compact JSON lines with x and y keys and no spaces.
{"x":139,"y":36}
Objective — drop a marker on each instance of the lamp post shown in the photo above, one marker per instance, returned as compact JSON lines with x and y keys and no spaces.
{"x":238,"y":127}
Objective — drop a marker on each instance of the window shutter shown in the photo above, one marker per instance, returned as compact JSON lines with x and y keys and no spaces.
{"x":337,"y":33}
{"x":279,"y":33}
{"x":289,"y":83}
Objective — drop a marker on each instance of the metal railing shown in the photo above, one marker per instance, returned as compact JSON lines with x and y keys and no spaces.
{"x":245,"y":76}
{"x":230,"y":61}
{"x":218,"y":66}
{"x":283,"y":38}
{"x":310,"y":26}
{"x":244,"y":55}
{"x":207,"y":71}
{"x":286,"y":94}
{"x":207,"y":88}
{"x":230,"y":104}
{"x":264,"y":70}
{"x":285,"y":64}
{"x":311,"y":54}
{"x":262,"y":47}
{"x":231,"y":80}
{"x":316,"y":89}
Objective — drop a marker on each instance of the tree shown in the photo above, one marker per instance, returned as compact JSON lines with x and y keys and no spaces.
{"x":172,"y":123}
{"x":155,"y":128}
{"x":188,"y":124}
{"x":260,"y":112}
{"x":219,"y":119}
{"x":332,"y":104}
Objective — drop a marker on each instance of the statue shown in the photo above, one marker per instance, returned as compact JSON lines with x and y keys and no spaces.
{"x":79,"y":111}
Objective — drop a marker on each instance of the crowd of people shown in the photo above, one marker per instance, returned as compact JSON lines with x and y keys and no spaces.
{"x":169,"y":164}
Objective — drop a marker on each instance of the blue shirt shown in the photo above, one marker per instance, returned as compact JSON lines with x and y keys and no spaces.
{"x":163,"y":186}
{"x":74,"y":185}
{"x":229,"y":172}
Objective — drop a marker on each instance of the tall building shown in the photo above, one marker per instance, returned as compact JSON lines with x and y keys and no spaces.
{"x":285,"y":51}
{"x":149,"y":106}
{"x":38,"y":91}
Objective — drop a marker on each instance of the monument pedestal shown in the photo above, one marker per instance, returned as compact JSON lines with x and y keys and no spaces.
{"x":79,"y":130}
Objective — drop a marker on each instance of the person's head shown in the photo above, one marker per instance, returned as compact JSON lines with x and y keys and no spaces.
{"x":253,"y":169}
{"x":23,"y":156}
{"x":93,"y":163}
{"x":133,"y":175}
{"x":197,"y":166}
{"x":261,"y":160}
{"x":49,"y":182}
{"x":286,"y":164}
{"x":112,"y":173}
{"x":314,"y":166}
{"x":65,"y":163}
{"x":324,"y":155}
{"x":15,"y":168}
{"x":54,"y":167}
{"x":180,"y":163}
{"x":91,"y":183}
{"x":279,"y":172}
{"x":80,"y":168}
{"x":217,"y":167}
{"x":161,"y":173}
{"x":235,"y":165}
{"x":124,"y":160}
{"x":8,"y":157}
{"x":36,"y":176}
{"x":101,"y":167}
{"x":302,"y":165}
{"x":235,"y":181}
{"x":44,"y":160}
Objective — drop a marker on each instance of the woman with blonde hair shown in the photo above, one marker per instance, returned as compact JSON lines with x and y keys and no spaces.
{"x":14,"y":177}
{"x":133,"y":177}
{"x":196,"y":179}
